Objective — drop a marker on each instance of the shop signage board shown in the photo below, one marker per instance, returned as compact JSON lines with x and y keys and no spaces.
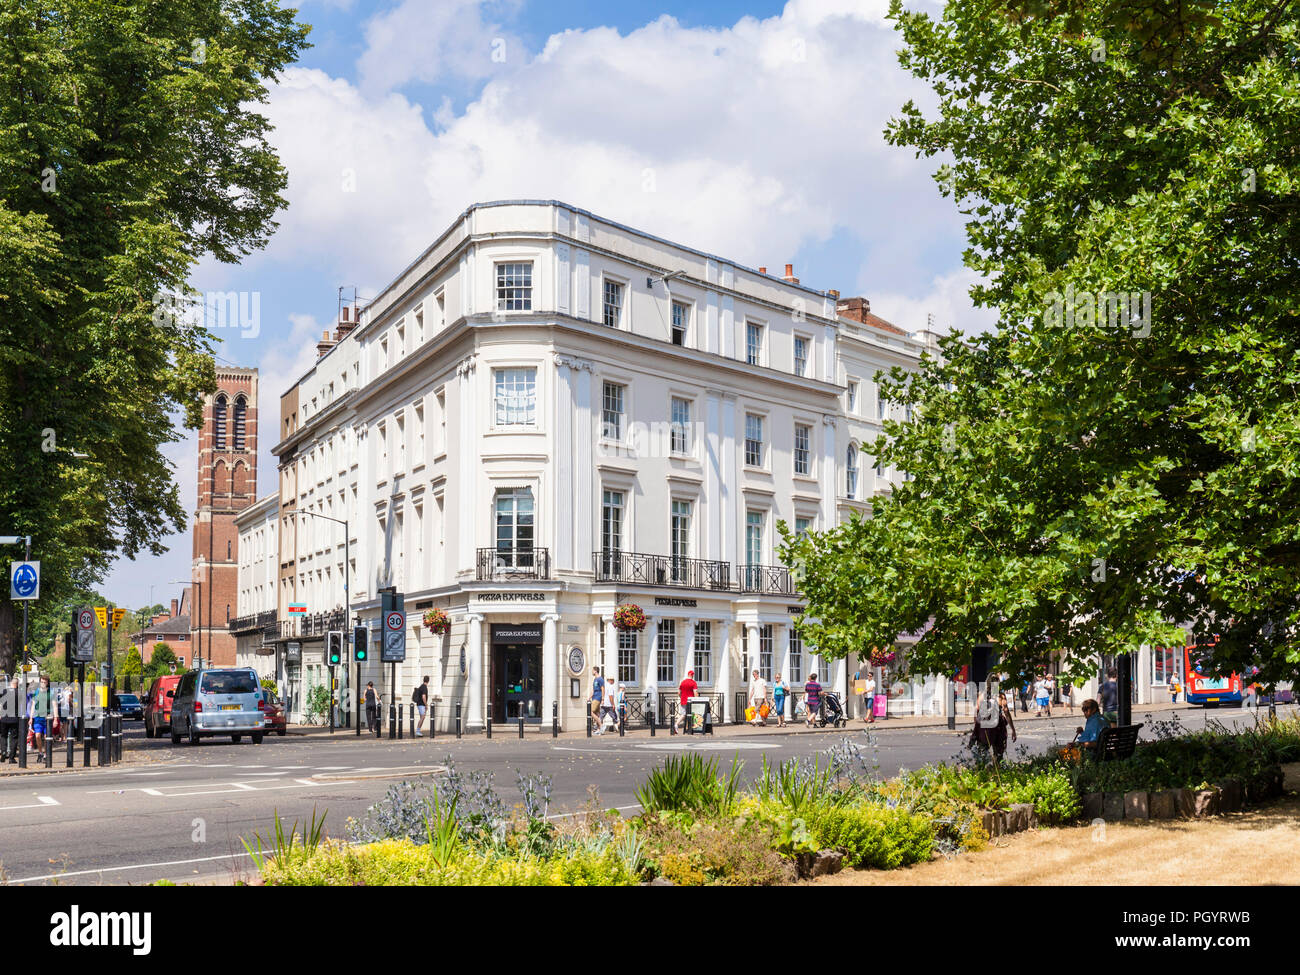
{"x":526,"y":633}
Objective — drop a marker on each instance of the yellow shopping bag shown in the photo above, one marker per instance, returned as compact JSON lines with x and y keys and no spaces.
{"x":749,"y":714}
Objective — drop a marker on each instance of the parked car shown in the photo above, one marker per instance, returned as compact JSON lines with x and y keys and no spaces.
{"x":218,"y":701}
{"x":275,"y":720}
{"x":158,"y":705}
{"x":130,"y":706}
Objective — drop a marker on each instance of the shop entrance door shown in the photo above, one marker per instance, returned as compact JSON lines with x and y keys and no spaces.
{"x":518,"y":683}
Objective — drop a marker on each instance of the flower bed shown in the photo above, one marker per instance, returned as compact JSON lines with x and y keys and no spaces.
{"x":699,"y":826}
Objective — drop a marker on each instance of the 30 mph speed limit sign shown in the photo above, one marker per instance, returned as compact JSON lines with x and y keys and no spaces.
{"x":83,"y":643}
{"x":393,"y":649}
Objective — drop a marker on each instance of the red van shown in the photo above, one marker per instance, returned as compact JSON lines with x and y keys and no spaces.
{"x":158,"y":706}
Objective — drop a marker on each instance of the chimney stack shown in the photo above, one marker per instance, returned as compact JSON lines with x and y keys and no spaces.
{"x":344,"y":326}
{"x":762,"y":270}
{"x":834,"y":294}
{"x":855,"y":308}
{"x":175,"y":610}
{"x":789,"y":274}
{"x":324,"y":345}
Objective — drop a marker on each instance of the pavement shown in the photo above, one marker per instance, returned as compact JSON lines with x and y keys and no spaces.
{"x":137,"y":749}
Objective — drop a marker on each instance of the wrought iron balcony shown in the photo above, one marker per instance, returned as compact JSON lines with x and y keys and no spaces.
{"x":641,"y":568}
{"x":253,"y":621}
{"x":766,"y":578}
{"x":495,"y":564}
{"x":314,"y":625}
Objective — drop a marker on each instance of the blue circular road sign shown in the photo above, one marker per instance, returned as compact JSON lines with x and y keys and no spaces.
{"x":25,"y":580}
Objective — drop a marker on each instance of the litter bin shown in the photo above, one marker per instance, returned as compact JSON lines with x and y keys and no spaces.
{"x":699,"y":716}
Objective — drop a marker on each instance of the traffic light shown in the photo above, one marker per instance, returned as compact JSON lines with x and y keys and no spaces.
{"x":334,"y":648}
{"x":360,"y":644}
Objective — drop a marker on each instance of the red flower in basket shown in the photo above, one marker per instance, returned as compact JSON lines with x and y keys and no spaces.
{"x":629,"y":616}
{"x":881,"y":657}
{"x":436,"y":621}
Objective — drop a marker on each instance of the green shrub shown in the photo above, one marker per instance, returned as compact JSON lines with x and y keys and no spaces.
{"x":1054,"y":798}
{"x":872,"y":835}
{"x":690,"y":783}
{"x":717,"y":852}
{"x":402,"y":863}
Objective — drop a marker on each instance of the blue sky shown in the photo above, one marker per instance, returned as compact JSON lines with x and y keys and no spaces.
{"x":751,"y":130}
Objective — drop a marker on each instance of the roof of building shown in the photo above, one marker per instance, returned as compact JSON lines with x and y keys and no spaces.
{"x":176,"y":626}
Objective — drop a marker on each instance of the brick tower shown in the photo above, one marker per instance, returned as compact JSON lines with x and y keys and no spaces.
{"x":227,"y":485}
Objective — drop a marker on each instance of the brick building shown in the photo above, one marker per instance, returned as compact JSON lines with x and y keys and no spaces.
{"x":227,"y":472}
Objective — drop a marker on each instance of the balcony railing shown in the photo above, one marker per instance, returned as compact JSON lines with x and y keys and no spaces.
{"x":314,"y":625}
{"x":641,"y":568}
{"x":509,"y":564}
{"x":253,"y":621}
{"x":766,"y":578}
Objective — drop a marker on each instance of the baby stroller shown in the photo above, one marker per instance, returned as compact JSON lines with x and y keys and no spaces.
{"x":831,"y":712}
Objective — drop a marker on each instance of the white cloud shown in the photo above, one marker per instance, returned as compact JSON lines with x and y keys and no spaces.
{"x":947,"y":299}
{"x":746,"y":141}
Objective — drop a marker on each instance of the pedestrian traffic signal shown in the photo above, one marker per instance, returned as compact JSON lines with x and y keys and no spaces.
{"x":333,"y":648}
{"x":360,"y":643}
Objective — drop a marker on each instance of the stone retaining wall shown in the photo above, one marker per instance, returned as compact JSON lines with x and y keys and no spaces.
{"x":1228,"y":796}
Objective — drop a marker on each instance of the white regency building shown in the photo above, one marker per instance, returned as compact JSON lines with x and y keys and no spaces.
{"x":547,"y":415}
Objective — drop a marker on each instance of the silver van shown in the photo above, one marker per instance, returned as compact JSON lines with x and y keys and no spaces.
{"x":221,"y":701}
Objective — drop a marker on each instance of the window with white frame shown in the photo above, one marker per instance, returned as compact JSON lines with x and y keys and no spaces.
{"x":765,"y":651}
{"x":802,"y":526}
{"x":666,"y":657}
{"x":753,"y":440}
{"x":612,"y":412}
{"x":851,"y":397}
{"x":680,"y":539}
{"x":800,"y":355}
{"x":796,"y":657}
{"x":514,"y":526}
{"x":753,"y":344}
{"x":754,"y":537}
{"x":802,"y":449}
{"x":681,"y":426}
{"x":611,"y":523}
{"x":441,"y":399}
{"x":703,"y":658}
{"x":627,"y":656}
{"x":681,"y":320}
{"x":612,"y":307}
{"x":515,"y":397}
{"x":851,"y":471}
{"x":515,"y":286}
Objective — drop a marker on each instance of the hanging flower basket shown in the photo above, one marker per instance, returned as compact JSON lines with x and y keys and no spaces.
{"x":629,"y":616}
{"x":436,"y":621}
{"x":881,"y":657}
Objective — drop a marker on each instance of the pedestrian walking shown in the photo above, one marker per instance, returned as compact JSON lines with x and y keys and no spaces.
{"x":608,"y":712}
{"x":1067,"y":697}
{"x":620,"y":702}
{"x":812,"y":698}
{"x":39,"y":709}
{"x":597,"y":695}
{"x":993,"y":721}
{"x":869,"y":699}
{"x":1109,"y":695}
{"x":373,"y":703}
{"x":686,"y":690}
{"x":758,"y":699}
{"x":10,"y":711}
{"x":651,"y":701}
{"x":1042,"y":697}
{"x":780,"y":691}
{"x":421,"y":701}
{"x":1173,"y":691}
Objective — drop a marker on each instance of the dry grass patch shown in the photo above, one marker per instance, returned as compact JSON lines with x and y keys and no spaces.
{"x":1256,"y":847}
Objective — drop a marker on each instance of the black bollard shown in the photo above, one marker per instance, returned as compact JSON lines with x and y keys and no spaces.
{"x":672,"y":719}
{"x":521,"y":726}
{"x":458,"y":725}
{"x":433,"y":719}
{"x":103,"y":742}
{"x":488,"y":726}
{"x":588,"y":721}
{"x":392,"y":721}
{"x":85,"y":754}
{"x":399,"y":720}
{"x":412,"y":720}
{"x":70,"y":752}
{"x":22,"y":742}
{"x":555,"y":719}
{"x":650,"y":715}
{"x":49,"y":751}
{"x":622,"y":720}
{"x":117,"y":739}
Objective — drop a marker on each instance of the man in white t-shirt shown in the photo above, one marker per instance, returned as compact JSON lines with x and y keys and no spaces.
{"x":869,"y":699}
{"x":1043,"y":696}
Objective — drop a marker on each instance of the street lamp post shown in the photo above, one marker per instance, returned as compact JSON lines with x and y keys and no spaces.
{"x":347,"y":586}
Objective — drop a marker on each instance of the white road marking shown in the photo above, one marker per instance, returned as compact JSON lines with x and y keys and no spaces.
{"x":42,"y":802}
{"x":133,"y":866}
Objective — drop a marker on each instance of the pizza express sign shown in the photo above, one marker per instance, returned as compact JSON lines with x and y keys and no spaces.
{"x":510,"y":597}
{"x":528,"y":633}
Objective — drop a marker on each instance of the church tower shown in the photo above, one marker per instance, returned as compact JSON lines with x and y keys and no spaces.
{"x":227,"y":484}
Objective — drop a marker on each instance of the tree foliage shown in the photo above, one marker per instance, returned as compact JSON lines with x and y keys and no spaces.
{"x":1094,"y":473}
{"x":131,"y":145}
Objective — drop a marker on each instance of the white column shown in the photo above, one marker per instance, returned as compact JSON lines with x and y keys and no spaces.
{"x":830,"y":474}
{"x":781,"y":649}
{"x":610,"y":658}
{"x":722,"y":665}
{"x":730,"y":518}
{"x":550,"y":665}
{"x":651,"y":673}
{"x":751,"y":631}
{"x":564,"y":473}
{"x":711,"y":502}
{"x":467,"y":506}
{"x":585,"y":513}
{"x":1143,"y":664}
{"x":474,"y":672}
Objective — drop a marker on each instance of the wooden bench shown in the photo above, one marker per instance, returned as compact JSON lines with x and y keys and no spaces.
{"x":1116,"y":743}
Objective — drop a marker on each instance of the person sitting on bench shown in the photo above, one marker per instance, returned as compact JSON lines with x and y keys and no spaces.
{"x":1088,"y":736}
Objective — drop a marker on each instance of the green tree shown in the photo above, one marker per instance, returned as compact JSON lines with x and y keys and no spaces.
{"x":131,"y":146}
{"x":1094,"y":471}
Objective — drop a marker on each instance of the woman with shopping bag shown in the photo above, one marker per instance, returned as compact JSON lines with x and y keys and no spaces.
{"x":758,"y":701}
